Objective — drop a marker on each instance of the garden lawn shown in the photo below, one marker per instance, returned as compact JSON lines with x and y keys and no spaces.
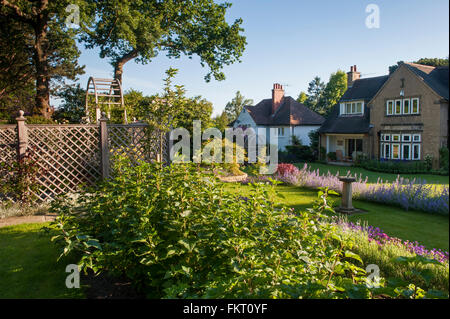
{"x":373,"y":176}
{"x":430,"y":230}
{"x":29,"y":267}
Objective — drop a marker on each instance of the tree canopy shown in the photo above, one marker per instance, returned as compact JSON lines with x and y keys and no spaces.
{"x":424,"y":61}
{"x":50,"y":44}
{"x":235,"y":106}
{"x":129,"y":29}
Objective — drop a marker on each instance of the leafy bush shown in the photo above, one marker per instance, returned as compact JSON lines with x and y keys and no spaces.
{"x":19,"y":178}
{"x":397,"y":166}
{"x":443,"y":159}
{"x":177,"y":234}
{"x":332,"y":156}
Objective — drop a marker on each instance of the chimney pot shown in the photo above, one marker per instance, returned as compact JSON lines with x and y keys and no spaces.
{"x":277,"y":96}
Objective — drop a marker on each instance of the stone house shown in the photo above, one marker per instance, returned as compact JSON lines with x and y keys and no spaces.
{"x":402,"y":116}
{"x":285,"y":114}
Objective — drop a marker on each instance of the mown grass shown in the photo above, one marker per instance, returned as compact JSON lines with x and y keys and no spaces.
{"x":29,"y":267}
{"x":373,"y":176}
{"x":430,"y":230}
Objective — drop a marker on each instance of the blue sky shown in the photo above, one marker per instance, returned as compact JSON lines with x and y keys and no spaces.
{"x":291,"y":41}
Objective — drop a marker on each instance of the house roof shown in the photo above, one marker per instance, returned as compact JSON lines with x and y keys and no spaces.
{"x":364,"y":89}
{"x":346,"y":124}
{"x":290,"y":112}
{"x":435,"y":77}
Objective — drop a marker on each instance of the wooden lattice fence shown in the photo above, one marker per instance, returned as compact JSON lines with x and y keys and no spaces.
{"x":72,"y":155}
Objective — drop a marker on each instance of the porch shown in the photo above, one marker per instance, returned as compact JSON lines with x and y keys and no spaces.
{"x":346,"y":147}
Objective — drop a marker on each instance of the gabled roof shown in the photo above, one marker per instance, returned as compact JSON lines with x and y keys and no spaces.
{"x":290,"y":112}
{"x":350,"y":124}
{"x":435,"y":77}
{"x":364,"y":89}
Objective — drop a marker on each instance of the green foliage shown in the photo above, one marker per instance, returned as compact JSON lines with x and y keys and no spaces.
{"x":322,"y":97}
{"x":20,"y":182}
{"x":332,"y":156}
{"x":392,"y":262}
{"x":397,"y":167}
{"x":425,"y":61}
{"x":125,"y":30}
{"x":176,"y":233}
{"x":47,"y":49}
{"x":16,"y":69}
{"x":316,"y":90}
{"x":234,"y":108}
{"x":334,"y":90}
{"x":221,"y":122}
{"x":302,"y":97}
{"x":72,"y":109}
{"x":39,"y":119}
{"x":443,"y":159}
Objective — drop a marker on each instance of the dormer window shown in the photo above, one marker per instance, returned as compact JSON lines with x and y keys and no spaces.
{"x":352,"y":108}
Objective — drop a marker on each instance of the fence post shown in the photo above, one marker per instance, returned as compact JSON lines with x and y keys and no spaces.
{"x":22,"y":135}
{"x":104,"y":149}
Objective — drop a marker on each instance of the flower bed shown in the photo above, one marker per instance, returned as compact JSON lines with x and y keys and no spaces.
{"x":376,"y":235}
{"x":408,"y":194}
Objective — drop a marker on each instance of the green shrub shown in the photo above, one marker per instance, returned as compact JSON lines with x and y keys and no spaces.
{"x":332,"y":156}
{"x":176,"y":233}
{"x":398,"y":167}
{"x":443,"y":159}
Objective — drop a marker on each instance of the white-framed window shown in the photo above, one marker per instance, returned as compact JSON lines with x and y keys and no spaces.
{"x":398,"y":107}
{"x":415,"y":107}
{"x":352,"y":108}
{"x":416,"y":138}
{"x":387,"y":137}
{"x":415,"y":154}
{"x":385,"y":150}
{"x":406,"y":137}
{"x":281,"y":131}
{"x":390,"y":107}
{"x":406,"y":106}
{"x":395,"y":137}
{"x":395,"y":151}
{"x":406,"y":151}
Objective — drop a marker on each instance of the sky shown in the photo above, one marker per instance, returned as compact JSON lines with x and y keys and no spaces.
{"x":292,"y":41}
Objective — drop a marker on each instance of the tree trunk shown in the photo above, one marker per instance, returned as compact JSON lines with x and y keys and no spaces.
{"x":118,"y":65}
{"x":42,"y":77}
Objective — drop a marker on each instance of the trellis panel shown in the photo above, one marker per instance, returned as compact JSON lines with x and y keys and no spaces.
{"x":8,"y":151}
{"x":68,"y":156}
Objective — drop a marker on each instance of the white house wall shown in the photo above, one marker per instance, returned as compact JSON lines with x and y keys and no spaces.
{"x":300,"y":131}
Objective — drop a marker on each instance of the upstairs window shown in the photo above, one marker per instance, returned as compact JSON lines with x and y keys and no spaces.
{"x":390,"y":107}
{"x":352,"y":108}
{"x":415,"y":105}
{"x":402,"y":106}
{"x":281,"y":131}
{"x":406,"y":106}
{"x":398,"y":107}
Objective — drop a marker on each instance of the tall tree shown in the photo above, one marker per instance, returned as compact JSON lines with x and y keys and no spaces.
{"x":72,"y":108}
{"x":315,"y":93}
{"x":16,"y":69}
{"x":335,"y":88}
{"x":302,"y":97}
{"x":424,"y":61}
{"x":140,"y":30}
{"x":54,"y":50}
{"x":221,"y":121}
{"x":234,"y":108}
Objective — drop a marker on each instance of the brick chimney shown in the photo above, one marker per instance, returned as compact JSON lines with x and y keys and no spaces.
{"x":352,"y":76}
{"x":277,"y":96}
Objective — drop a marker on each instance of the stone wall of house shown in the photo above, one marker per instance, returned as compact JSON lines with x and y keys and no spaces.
{"x":428,"y":123}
